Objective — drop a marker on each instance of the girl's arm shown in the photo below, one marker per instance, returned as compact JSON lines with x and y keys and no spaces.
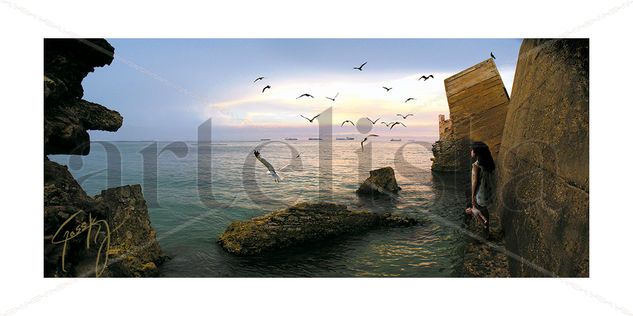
{"x":474,"y":180}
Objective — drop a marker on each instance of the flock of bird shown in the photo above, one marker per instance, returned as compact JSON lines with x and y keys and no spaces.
{"x":391,"y":125}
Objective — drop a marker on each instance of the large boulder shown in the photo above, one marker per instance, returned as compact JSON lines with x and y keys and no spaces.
{"x":301,"y":224}
{"x":114,"y":225}
{"x":380,"y":181}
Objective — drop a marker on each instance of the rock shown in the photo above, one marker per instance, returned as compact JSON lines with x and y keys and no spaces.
{"x":543,"y":181}
{"x":380,"y":181}
{"x":81,"y":233}
{"x":302,"y":224}
{"x":133,"y":243}
{"x":134,"y":248}
{"x":66,"y":116}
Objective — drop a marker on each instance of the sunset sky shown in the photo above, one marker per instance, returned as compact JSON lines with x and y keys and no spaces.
{"x":165,"y":88}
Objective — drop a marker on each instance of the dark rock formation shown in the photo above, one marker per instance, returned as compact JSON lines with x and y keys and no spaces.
{"x":109,"y":235}
{"x":302,"y":224}
{"x":543,"y":180}
{"x":380,"y":181}
{"x":450,"y":155}
{"x":66,"y":116}
{"x":132,"y":250}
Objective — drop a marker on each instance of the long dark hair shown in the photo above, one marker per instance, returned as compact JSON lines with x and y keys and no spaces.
{"x":483,"y":155}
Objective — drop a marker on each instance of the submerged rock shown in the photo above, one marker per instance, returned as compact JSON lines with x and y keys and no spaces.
{"x":301,"y":224}
{"x":380,"y":181}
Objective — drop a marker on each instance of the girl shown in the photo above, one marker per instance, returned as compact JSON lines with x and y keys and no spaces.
{"x":482,"y":191}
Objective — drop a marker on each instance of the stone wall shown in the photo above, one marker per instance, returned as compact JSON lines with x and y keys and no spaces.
{"x":543,"y":174}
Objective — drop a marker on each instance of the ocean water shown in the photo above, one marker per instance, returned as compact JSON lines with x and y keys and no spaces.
{"x":189,"y":212}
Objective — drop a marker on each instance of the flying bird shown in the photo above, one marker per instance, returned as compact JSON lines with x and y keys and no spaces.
{"x":373,"y":122}
{"x":334,"y":98}
{"x":404,"y":116}
{"x":266,"y":87}
{"x":492,"y":55}
{"x":271,"y":169}
{"x":387,"y":124}
{"x":349,"y":122}
{"x":305,"y":95}
{"x":360,"y":68}
{"x":409,"y":99}
{"x":388,"y":89}
{"x":312,"y":119}
{"x":426,"y":77}
{"x":364,"y":140}
{"x":396,"y":123}
{"x":260,"y":78}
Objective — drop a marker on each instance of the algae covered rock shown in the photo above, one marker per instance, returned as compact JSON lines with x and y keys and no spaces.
{"x":301,"y":224}
{"x":380,"y":181}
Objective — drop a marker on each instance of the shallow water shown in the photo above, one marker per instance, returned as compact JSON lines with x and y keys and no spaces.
{"x":188,"y":220}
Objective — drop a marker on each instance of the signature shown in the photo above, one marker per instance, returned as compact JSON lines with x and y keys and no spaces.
{"x":92,"y":227}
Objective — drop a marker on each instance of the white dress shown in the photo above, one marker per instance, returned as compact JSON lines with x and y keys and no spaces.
{"x":485,"y":192}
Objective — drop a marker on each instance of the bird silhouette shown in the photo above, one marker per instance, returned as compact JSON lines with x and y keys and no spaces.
{"x":305,"y":95}
{"x":388,"y":89}
{"x":426,"y":77}
{"x":364,"y":140}
{"x":360,"y":68}
{"x":404,"y":116}
{"x":334,"y":98}
{"x":260,"y":78}
{"x":312,"y":119}
{"x":349,"y":122}
{"x":386,"y":124}
{"x":409,"y":99}
{"x":373,"y":122}
{"x":492,"y":55}
{"x":271,"y":169}
{"x":396,"y":123}
{"x":266,"y":87}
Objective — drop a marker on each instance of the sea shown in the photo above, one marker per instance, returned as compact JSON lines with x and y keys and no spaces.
{"x":194,"y":191}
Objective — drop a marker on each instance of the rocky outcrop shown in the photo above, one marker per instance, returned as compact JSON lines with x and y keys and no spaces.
{"x":112,"y":228}
{"x":380,"y":181}
{"x":66,"y":116}
{"x":478,"y":102}
{"x":302,"y":224}
{"x":110,"y":234}
{"x":543,"y":180}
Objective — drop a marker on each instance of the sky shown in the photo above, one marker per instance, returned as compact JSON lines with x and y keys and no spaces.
{"x":166,"y":88}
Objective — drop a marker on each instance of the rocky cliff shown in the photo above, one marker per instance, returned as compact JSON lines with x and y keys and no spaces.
{"x":110,"y":234}
{"x":543,"y":174}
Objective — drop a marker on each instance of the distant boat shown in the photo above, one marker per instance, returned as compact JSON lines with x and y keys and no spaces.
{"x":396,"y":139}
{"x":290,"y":138}
{"x":314,"y":138}
{"x":263,"y":139}
{"x":340,"y":138}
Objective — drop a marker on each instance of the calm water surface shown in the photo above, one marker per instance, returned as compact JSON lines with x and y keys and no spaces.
{"x":188,"y":220}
